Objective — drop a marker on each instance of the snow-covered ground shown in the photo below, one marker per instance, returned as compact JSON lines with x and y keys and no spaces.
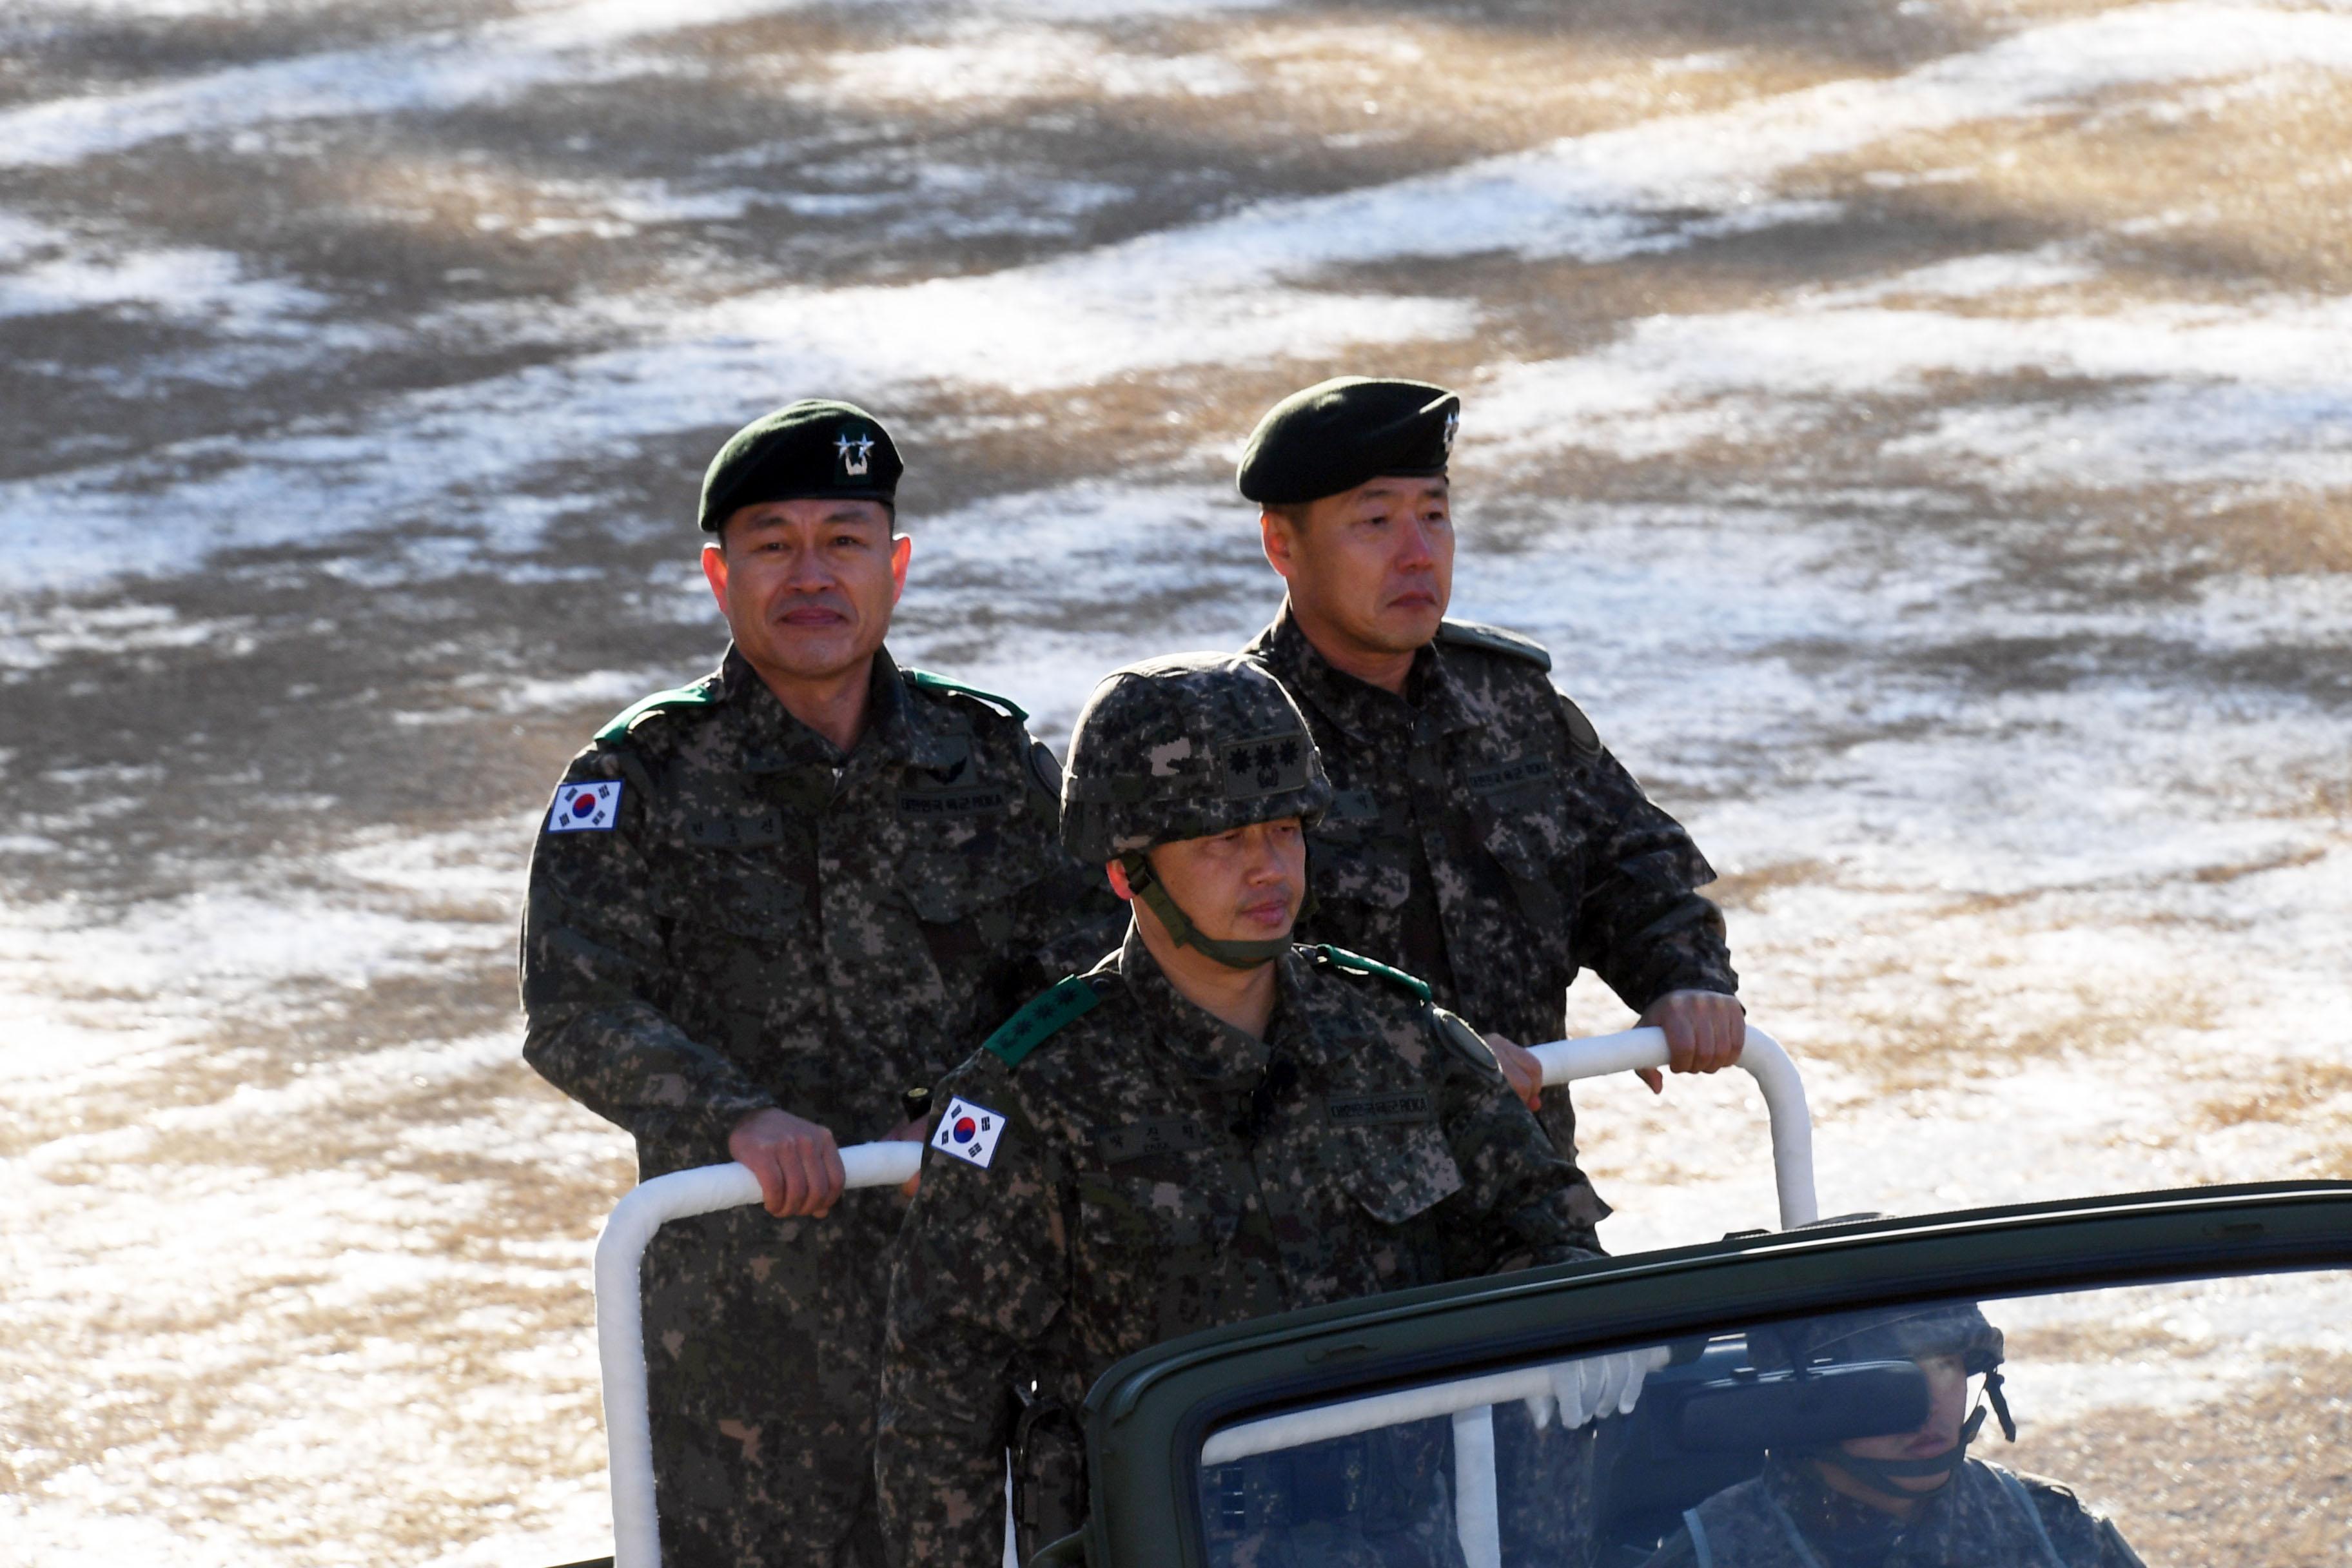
{"x":1922,"y":432}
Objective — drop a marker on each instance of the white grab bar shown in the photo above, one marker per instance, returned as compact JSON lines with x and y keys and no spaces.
{"x":1760,"y":1058}
{"x":620,"y":1325}
{"x":620,"y":1315}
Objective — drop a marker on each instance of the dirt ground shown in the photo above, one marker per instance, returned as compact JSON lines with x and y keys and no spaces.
{"x":1922,"y":430}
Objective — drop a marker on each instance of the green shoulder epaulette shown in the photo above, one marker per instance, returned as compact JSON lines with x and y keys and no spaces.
{"x":701,"y":694}
{"x":1495,"y":639}
{"x":1039,"y":1017}
{"x":1356,"y":963}
{"x":925,"y":680}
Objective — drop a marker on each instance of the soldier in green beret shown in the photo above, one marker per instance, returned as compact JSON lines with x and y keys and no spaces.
{"x":1211,"y":1124}
{"x":761,"y":907}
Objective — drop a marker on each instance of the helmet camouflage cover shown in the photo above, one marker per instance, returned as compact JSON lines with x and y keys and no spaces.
{"x":1905,"y":1333}
{"x":1185,"y":746}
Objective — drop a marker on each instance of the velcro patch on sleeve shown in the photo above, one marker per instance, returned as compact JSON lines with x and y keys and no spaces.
{"x":585,"y":807}
{"x":969,"y":1133}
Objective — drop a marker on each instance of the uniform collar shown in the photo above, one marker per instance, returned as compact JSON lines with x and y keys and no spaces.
{"x":1207,"y":1047}
{"x":898,"y":728}
{"x":1431,"y":703}
{"x":1204,"y":1045}
{"x":1833,"y":1519}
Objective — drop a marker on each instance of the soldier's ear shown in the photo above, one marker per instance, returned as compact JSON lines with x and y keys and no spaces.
{"x":1278,"y":537}
{"x":1119,"y":883}
{"x":714,"y":570}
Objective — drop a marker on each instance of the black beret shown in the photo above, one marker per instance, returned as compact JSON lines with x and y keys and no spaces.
{"x":815,"y":449}
{"x":1338,"y":434}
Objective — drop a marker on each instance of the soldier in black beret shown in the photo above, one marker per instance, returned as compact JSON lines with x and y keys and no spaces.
{"x":1480,"y":813}
{"x":762,"y":907}
{"x":1480,"y":836}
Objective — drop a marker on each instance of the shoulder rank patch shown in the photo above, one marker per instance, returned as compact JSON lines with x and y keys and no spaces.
{"x":1357,"y":963}
{"x":1495,"y":639}
{"x":1581,"y":732}
{"x":1044,"y":769}
{"x":969,"y":1132}
{"x":1467,"y":1043}
{"x":1039,"y":1017}
{"x":701,"y":694}
{"x":585,"y":807}
{"x":924,"y":680}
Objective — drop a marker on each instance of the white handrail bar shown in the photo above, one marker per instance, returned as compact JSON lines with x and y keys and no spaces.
{"x":1297,"y":1429}
{"x":620,"y":1326}
{"x":1471,"y":1401}
{"x":1760,"y":1058}
{"x":620,"y":1315}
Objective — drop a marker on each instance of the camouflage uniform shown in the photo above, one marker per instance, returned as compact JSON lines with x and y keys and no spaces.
{"x":1160,"y":1173}
{"x":1982,"y":1518}
{"x":767,"y":922}
{"x":1484,"y":840}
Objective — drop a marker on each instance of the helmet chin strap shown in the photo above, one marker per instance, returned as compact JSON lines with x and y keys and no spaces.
{"x":1883,"y":1474}
{"x":1179,"y":926}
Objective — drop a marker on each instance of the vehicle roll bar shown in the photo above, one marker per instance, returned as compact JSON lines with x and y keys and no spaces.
{"x":620,"y":1313}
{"x":1760,"y":1058}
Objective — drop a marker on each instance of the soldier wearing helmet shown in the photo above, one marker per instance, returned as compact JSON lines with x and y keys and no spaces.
{"x":1904,"y":1499}
{"x":1211,"y":1124}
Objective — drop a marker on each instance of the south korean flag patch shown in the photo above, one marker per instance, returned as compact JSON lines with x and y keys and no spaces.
{"x":583,"y":807}
{"x":969,"y":1133}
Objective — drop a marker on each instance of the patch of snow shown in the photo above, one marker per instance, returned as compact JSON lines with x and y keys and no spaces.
{"x":2255,"y":392}
{"x":434,"y":73}
{"x":1241,"y":288}
{"x":997,"y":64}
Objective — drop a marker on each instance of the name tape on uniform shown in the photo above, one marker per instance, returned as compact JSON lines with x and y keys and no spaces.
{"x":581,"y":808}
{"x":969,"y":1133}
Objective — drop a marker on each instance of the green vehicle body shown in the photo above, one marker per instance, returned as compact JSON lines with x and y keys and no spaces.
{"x":1148,"y":1417}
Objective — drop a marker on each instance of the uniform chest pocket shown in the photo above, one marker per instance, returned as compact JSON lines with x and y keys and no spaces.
{"x":1140,"y":1214}
{"x":752,"y":894}
{"x":1534,"y":845}
{"x":965,"y":897}
{"x":1403,"y":1172}
{"x":1374,"y":870}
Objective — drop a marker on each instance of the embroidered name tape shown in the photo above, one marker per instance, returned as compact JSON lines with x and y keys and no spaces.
{"x":579,"y":808}
{"x":969,"y":1133}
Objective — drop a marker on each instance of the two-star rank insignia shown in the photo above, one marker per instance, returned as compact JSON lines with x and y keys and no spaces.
{"x":855,"y":452}
{"x":969,"y":1133}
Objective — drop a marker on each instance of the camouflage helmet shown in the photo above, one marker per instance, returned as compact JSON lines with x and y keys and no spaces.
{"x":1916,"y":1334}
{"x":1185,"y":746}
{"x":1903,"y":1333}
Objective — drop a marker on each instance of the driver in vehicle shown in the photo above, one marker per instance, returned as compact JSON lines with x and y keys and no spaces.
{"x":1212,"y":1124}
{"x":1909,"y":1500}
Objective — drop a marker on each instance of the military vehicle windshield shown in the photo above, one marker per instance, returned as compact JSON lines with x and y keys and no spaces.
{"x":2184,"y":1424}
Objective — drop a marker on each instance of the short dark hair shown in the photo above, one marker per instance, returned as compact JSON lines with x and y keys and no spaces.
{"x":1293,"y":513}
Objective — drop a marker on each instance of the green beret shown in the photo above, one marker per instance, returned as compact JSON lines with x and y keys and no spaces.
{"x":1338,"y":434}
{"x":815,"y":449}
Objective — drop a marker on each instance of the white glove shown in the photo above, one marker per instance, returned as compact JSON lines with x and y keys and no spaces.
{"x":1594,"y":1386}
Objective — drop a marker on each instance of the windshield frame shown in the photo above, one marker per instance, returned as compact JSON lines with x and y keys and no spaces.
{"x":1148,"y":1417}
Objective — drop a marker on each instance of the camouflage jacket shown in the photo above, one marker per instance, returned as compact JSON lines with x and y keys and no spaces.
{"x":765,"y":921}
{"x":1483,"y":840}
{"x":1982,"y":1518}
{"x":1160,"y":1173}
